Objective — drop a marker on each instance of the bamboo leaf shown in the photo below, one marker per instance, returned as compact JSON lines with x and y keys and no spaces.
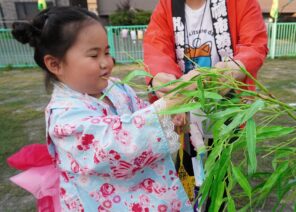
{"x":255,"y":107}
{"x":242,"y":181}
{"x":251,"y":145}
{"x":211,"y":160}
{"x":238,"y":120}
{"x":230,"y":204}
{"x":198,"y":94}
{"x":201,"y":89}
{"x":226,"y":113}
{"x":273,"y":132}
{"x":182,"y":108}
{"x":136,"y":73}
{"x":271,"y":181}
{"x":217,"y":197}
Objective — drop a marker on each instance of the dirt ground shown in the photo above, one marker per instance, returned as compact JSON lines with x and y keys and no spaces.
{"x":23,"y":98}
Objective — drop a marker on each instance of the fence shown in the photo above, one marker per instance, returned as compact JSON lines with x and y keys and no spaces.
{"x":126,"y":44}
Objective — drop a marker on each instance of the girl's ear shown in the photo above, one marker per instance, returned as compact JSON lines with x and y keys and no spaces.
{"x":53,"y":64}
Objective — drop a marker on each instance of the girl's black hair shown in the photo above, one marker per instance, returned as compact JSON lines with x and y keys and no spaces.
{"x":53,"y":31}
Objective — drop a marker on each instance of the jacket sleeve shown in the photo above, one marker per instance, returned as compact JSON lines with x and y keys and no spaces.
{"x":86,"y":140}
{"x":251,"y":48}
{"x":159,"y":44}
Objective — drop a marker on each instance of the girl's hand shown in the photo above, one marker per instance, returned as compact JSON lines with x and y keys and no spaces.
{"x":179,"y":120}
{"x":159,"y":80}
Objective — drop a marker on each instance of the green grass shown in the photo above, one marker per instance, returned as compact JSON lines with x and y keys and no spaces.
{"x":23,"y":99}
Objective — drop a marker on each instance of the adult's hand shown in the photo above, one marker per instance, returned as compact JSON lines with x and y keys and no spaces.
{"x":160,"y":79}
{"x":233,"y":71}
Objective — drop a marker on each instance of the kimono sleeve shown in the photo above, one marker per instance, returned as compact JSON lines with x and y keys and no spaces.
{"x":251,"y":48}
{"x":159,"y":44}
{"x":87,"y":140}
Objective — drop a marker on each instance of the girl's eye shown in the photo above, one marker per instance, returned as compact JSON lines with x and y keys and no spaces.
{"x":94,"y":56}
{"x":107,"y":53}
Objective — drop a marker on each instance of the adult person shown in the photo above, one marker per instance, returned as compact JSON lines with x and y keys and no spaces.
{"x":182,"y":33}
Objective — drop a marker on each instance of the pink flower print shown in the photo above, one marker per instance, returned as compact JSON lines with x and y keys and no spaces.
{"x":102,"y":209}
{"x":74,"y":166}
{"x":147,"y":185}
{"x":100,"y":155}
{"x":160,"y":169}
{"x":83,"y":180}
{"x":107,"y":204}
{"x":159,"y":189}
{"x":107,"y":189}
{"x":107,"y":120}
{"x":175,"y":188}
{"x":74,"y":204}
{"x":144,"y":200}
{"x":113,"y":155}
{"x":176,"y":205}
{"x":162,"y":208}
{"x":63,"y":131}
{"x":104,"y":111}
{"x":116,"y":199}
{"x":139,"y":121}
{"x":96,"y":120}
{"x":62,"y":192}
{"x":66,"y":177}
{"x":86,"y":141}
{"x":140,"y":103}
{"x":116,"y":124}
{"x":89,"y":106}
{"x":122,"y":169}
{"x":136,"y":207}
{"x":145,"y":159}
{"x":95,"y":196}
{"x":123,"y":137}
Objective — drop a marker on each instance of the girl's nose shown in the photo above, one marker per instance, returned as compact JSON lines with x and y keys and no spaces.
{"x":103,"y":65}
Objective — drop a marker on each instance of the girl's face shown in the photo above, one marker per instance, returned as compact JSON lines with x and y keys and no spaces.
{"x":88,"y":63}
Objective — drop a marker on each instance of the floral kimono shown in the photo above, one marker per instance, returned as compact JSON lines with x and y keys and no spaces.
{"x":113,"y":158}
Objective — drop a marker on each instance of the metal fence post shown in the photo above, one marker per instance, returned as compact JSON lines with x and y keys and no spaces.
{"x":273,"y":39}
{"x":111,"y":41}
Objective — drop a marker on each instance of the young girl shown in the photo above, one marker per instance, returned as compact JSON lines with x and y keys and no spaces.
{"x":111,"y":154}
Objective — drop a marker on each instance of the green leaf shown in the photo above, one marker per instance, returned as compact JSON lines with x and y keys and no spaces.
{"x":226,"y":113}
{"x":136,"y":73}
{"x":215,"y":153}
{"x":273,"y":132}
{"x":242,"y":181}
{"x":207,"y":185}
{"x":251,"y":144}
{"x":272,"y":180}
{"x":230,"y":204}
{"x":182,"y":108}
{"x":198,"y":94}
{"x":180,"y":86}
{"x":224,"y":162}
{"x":238,"y":120}
{"x":202,"y":94}
{"x":255,"y":107}
{"x":217,"y":197}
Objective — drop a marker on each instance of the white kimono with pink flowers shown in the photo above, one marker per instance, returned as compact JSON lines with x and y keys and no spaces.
{"x":113,"y":158}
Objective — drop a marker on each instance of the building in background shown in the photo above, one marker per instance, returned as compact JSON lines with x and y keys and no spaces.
{"x":12,"y":10}
{"x":287,"y":10}
{"x":107,"y":7}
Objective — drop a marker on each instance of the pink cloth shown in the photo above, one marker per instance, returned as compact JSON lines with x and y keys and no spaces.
{"x":40,"y":177}
{"x":43,"y":183}
{"x":33,"y":155}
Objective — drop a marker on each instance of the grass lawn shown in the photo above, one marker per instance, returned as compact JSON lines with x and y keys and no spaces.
{"x":23,"y":98}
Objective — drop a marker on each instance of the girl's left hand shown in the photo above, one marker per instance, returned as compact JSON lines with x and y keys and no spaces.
{"x":179,"y":120}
